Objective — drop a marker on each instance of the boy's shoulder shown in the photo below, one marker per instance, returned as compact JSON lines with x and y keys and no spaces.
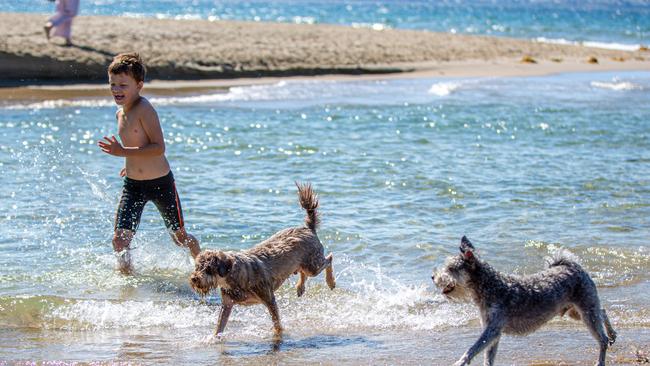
{"x":144,"y":108}
{"x":144,"y":105}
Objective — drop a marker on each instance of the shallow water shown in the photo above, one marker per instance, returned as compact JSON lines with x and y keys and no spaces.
{"x":404,"y":168}
{"x":603,"y":23}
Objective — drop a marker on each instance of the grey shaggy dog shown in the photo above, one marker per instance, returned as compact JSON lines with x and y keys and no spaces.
{"x":252,"y":276}
{"x":520,"y":305}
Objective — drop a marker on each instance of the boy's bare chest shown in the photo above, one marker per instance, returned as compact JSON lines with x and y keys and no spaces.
{"x":130,"y":130}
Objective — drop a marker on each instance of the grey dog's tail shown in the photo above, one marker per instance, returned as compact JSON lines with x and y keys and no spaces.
{"x":309,"y":201}
{"x":563,"y":258}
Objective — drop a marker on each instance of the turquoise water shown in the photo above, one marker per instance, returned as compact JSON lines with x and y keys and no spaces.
{"x":609,"y":23}
{"x":404,"y":168}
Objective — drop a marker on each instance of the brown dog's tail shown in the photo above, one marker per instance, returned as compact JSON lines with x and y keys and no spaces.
{"x":309,"y":201}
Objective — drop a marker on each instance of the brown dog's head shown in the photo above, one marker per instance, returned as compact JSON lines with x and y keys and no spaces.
{"x":210,"y":270}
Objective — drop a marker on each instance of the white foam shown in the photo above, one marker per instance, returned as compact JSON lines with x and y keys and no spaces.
{"x":373,"y":26}
{"x":616,"y":85}
{"x":105,"y":314}
{"x":443,"y":89}
{"x":592,"y":44}
{"x":361,"y":301}
{"x":64,"y":103}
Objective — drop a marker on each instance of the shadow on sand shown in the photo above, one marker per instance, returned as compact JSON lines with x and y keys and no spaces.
{"x":91,"y":49}
{"x":287,"y":344}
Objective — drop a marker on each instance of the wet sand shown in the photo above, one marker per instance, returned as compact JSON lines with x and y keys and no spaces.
{"x":546,"y":347}
{"x":219,"y":53}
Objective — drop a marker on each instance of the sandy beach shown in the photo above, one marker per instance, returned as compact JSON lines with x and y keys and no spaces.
{"x":208,"y":50}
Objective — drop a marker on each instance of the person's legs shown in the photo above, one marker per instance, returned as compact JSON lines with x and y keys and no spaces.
{"x":47,"y":28}
{"x":183,"y":239}
{"x":168,"y":203}
{"x":127,"y":220}
{"x":121,"y":241}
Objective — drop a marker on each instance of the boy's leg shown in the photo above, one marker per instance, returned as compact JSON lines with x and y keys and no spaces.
{"x":169,"y":204}
{"x":184,"y":239}
{"x":127,"y":220}
{"x":121,"y":241}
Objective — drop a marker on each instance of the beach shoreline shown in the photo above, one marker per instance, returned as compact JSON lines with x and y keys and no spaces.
{"x":157,"y":87}
{"x":183,"y":55}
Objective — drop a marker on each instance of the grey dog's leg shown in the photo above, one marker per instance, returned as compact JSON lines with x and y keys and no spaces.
{"x":226,"y":308}
{"x":592,"y":318}
{"x":611,"y":333}
{"x":491,"y":353}
{"x":490,"y":334}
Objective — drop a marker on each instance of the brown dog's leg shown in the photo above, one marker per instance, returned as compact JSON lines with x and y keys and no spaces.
{"x":268,"y":298}
{"x":226,"y":308}
{"x":317,"y":266}
{"x":300,"y":286}
{"x":275,"y":315}
{"x":329,"y":273}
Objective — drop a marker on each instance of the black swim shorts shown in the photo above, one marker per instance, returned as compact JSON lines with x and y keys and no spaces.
{"x":136,"y":193}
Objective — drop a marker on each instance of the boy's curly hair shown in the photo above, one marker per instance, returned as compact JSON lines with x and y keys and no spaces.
{"x":130,"y":64}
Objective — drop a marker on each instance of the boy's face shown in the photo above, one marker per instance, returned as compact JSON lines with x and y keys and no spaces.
{"x":124,"y":88}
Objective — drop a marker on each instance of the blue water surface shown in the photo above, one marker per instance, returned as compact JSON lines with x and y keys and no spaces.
{"x":606,"y":21}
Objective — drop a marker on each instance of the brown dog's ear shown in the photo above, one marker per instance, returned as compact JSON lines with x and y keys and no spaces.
{"x":209,"y":265}
{"x":224,"y":266}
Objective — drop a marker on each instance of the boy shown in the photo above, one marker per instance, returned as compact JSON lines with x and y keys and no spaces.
{"x":147,"y":175}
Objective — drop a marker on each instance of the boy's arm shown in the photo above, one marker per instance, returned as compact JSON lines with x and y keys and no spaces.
{"x":155,"y":147}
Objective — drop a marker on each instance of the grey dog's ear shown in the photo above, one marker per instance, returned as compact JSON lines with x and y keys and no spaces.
{"x":224,"y":266}
{"x":466,"y":248}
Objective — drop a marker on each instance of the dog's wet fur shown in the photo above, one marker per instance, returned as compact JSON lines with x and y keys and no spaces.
{"x":252,"y":276}
{"x":520,"y":305}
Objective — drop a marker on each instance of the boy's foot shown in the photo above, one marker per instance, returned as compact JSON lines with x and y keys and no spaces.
{"x":126,"y":270}
{"x":124,"y":262}
{"x":67,"y":43}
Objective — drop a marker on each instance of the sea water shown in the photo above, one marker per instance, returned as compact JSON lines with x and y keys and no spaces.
{"x":403,"y":169}
{"x":602,"y":23}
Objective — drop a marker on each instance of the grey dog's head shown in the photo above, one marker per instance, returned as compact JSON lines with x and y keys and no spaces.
{"x":210,"y":270}
{"x":452,"y":279}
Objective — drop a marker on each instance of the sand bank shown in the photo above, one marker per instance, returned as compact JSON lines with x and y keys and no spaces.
{"x":201,"y":49}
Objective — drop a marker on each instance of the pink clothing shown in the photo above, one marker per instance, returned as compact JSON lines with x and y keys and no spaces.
{"x":62,"y":20}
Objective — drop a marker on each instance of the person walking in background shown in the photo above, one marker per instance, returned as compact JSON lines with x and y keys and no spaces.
{"x":60,"y":24}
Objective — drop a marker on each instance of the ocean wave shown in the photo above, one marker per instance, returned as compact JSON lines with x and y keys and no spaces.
{"x":382,"y":303}
{"x":616,"y":85}
{"x":62,"y":103}
{"x":297,"y":93}
{"x":592,"y":44}
{"x":267,"y":92}
{"x":610,"y":267}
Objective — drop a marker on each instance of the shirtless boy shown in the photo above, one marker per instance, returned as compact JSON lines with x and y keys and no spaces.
{"x":146,"y":172}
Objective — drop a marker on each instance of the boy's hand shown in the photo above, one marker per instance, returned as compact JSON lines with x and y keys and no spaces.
{"x":111,"y":146}
{"x":123,"y":172}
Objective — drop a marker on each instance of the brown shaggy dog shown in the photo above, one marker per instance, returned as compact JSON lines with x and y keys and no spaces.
{"x":251,"y":277}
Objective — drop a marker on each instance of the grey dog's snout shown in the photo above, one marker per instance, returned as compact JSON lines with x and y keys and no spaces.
{"x":194,"y":279}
